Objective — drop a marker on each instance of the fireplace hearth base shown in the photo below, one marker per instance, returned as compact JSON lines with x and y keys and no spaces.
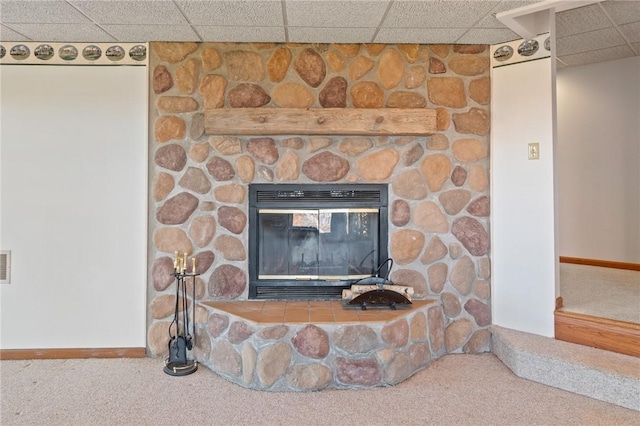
{"x":313,"y":345}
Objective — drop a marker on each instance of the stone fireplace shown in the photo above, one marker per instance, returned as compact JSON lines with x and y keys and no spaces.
{"x":438,"y":204}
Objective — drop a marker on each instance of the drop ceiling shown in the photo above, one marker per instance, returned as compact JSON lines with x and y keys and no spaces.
{"x":598,"y":32}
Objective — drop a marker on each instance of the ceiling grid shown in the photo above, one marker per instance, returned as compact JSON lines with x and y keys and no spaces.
{"x":598,"y":32}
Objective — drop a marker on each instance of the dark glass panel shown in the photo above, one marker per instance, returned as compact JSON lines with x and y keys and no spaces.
{"x":326,"y":243}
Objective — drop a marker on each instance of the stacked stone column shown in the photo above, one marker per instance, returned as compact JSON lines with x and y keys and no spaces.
{"x":439,"y":215}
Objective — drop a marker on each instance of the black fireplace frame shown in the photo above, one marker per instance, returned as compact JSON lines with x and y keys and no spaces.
{"x":319,"y":196}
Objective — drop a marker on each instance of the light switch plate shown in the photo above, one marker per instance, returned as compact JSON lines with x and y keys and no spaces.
{"x":534,"y":151}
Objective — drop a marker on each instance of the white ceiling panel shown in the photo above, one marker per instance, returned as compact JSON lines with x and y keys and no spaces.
{"x":581,"y":20}
{"x":131,"y":12}
{"x":141,"y":33}
{"x":346,"y":14}
{"x":595,"y":56}
{"x":241,"y":34}
{"x":240,"y":12}
{"x":623,"y":12}
{"x":7,"y":34}
{"x":631,"y":31}
{"x":487,"y":36}
{"x":330,"y":35}
{"x":63,"y":32}
{"x":418,"y":35}
{"x":594,"y":40}
{"x":437,"y":14}
{"x":490,"y":21}
{"x":52,"y":12}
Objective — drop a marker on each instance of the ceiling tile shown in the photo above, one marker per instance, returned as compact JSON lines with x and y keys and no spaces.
{"x":623,"y":12}
{"x":63,"y":32}
{"x":487,"y":36}
{"x":581,"y":20}
{"x":593,"y":40}
{"x":131,"y":12}
{"x":347,"y":14}
{"x":437,"y":14}
{"x":142,"y":33}
{"x":631,"y":31}
{"x":243,"y":13}
{"x":490,"y":21}
{"x":596,"y":56}
{"x":53,"y":12}
{"x":330,"y":35}
{"x":241,"y":34}
{"x":7,"y":34}
{"x":418,"y":35}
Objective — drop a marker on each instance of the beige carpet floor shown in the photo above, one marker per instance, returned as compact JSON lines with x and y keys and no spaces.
{"x":601,"y":292}
{"x":454,"y":390}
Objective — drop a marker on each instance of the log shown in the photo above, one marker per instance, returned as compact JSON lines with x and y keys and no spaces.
{"x":320,"y":121}
{"x":357,"y":290}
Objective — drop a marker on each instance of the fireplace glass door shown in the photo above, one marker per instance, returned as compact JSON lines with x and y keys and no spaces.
{"x":317,"y":244}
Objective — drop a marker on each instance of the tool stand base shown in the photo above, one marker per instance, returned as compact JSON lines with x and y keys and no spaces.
{"x":179,"y":368}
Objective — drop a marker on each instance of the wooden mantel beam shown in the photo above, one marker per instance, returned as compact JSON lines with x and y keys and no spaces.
{"x":320,"y":121}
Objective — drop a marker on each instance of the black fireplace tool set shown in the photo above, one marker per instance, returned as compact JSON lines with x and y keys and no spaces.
{"x":177,"y":363}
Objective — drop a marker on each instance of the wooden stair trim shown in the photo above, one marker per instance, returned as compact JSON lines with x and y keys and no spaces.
{"x":603,"y":333}
{"x":69,"y":353}
{"x":601,"y":263}
{"x":601,"y":320}
{"x":320,"y":121}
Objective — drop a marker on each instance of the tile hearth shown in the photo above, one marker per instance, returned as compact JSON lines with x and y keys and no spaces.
{"x":317,"y":312}
{"x":308,"y":346}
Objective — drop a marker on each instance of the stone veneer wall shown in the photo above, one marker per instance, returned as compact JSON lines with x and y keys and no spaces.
{"x":438,"y":184}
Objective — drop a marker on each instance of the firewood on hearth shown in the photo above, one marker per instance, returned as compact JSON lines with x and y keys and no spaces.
{"x":356,"y":290}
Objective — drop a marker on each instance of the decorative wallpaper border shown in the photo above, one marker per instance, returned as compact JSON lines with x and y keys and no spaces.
{"x":521,"y":50}
{"x":34,"y":53}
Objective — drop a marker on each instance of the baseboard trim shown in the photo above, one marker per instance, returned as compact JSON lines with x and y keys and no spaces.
{"x":602,"y":333}
{"x":68,"y":353}
{"x":559,"y":303}
{"x":602,"y":263}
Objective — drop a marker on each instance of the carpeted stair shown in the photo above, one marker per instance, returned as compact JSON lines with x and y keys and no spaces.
{"x":603,"y":375}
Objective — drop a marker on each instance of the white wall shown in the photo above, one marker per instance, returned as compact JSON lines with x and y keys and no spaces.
{"x":73,"y":206}
{"x":522,"y":198}
{"x":598,"y":151}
